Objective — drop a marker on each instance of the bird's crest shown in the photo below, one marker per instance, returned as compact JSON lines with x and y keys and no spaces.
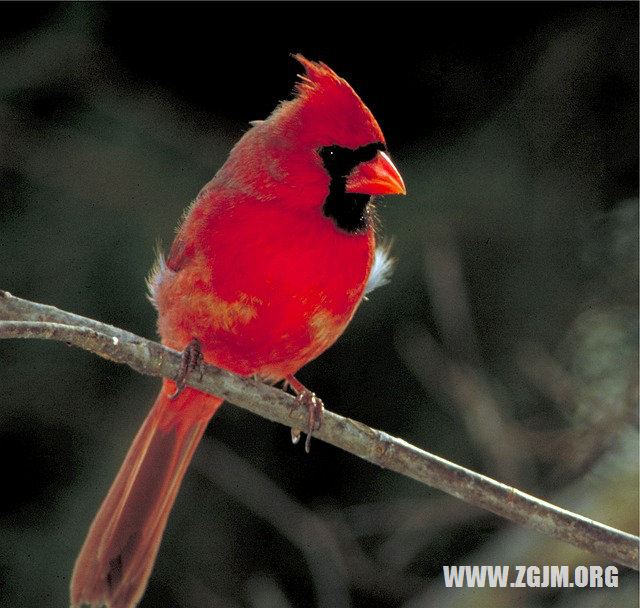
{"x":318,"y":75}
{"x":330,"y":107}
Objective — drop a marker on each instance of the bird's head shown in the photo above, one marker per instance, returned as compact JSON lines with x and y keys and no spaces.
{"x":327,"y":148}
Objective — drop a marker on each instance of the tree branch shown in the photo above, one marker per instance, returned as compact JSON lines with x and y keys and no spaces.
{"x":24,"y":319}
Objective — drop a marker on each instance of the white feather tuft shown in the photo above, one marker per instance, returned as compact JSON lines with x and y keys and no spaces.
{"x":156,"y":275}
{"x":381,"y":270}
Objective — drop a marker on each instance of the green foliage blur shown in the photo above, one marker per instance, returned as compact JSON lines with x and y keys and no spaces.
{"x":507,"y":340}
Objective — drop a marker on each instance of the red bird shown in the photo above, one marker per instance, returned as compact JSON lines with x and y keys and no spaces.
{"x":266,"y":271}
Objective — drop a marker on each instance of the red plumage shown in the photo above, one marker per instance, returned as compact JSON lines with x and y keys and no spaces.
{"x":266,"y":274}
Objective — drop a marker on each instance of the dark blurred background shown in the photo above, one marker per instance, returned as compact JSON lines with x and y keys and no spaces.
{"x":507,"y":340}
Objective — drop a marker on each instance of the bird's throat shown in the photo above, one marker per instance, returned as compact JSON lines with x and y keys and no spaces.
{"x":350,"y":212}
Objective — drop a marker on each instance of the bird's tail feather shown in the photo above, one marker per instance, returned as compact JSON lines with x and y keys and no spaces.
{"x":119,"y":552}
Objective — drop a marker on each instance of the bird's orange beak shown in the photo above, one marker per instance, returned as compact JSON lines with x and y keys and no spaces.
{"x":377,"y":176}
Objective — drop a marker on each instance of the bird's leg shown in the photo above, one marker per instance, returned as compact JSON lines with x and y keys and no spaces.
{"x":192,"y":358}
{"x":313,"y":405}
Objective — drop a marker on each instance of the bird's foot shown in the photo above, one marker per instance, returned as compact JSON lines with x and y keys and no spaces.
{"x":192,"y":358}
{"x":313,"y":405}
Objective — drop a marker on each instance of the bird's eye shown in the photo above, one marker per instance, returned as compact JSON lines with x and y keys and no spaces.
{"x":328,"y":152}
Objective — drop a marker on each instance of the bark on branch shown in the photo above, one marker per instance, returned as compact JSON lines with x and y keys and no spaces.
{"x":24,"y":319}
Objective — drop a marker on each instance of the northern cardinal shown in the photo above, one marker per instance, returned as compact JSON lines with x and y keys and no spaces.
{"x":266,"y":271}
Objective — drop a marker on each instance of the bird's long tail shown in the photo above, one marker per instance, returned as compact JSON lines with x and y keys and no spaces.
{"x":118,"y":554}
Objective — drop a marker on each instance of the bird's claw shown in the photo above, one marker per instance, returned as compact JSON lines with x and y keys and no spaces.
{"x":314,"y":406}
{"x":192,"y":358}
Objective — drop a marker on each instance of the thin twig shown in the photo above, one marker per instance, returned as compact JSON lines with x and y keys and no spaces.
{"x":21,"y":318}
